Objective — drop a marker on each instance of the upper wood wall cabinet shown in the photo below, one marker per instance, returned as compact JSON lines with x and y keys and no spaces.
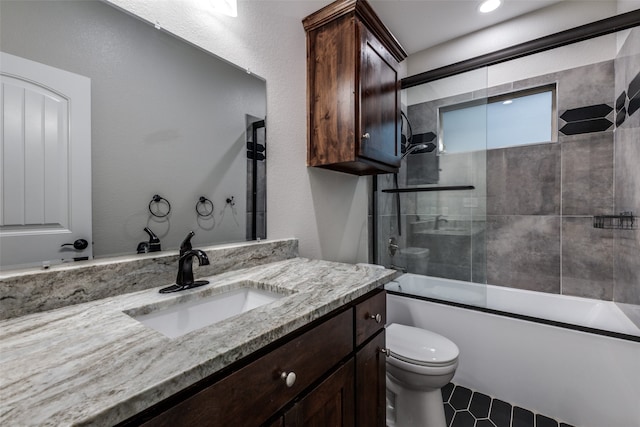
{"x":353,"y":90}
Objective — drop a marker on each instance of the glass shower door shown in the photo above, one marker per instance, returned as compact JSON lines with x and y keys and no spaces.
{"x":431,"y":216}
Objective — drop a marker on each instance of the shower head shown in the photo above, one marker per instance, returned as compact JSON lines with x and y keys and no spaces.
{"x":413,"y":148}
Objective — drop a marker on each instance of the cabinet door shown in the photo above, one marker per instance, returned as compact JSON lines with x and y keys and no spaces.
{"x":332,"y":51}
{"x":379,"y":102}
{"x":331,"y":404}
{"x":371,"y":383}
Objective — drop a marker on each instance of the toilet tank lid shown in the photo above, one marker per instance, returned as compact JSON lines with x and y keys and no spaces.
{"x":420,"y":346}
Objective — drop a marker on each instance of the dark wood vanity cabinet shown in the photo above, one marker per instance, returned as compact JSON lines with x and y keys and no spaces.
{"x":339,"y":379}
{"x":353,"y":91}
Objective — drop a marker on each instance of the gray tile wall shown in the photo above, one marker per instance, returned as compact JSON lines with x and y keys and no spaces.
{"x":523,"y":251}
{"x":587,"y":174}
{"x":524,"y":180}
{"x":541,"y":199}
{"x":587,"y":259}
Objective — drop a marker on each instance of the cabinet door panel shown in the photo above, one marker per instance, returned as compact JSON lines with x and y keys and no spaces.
{"x":379,"y":103}
{"x":331,"y":93}
{"x":331,"y":404}
{"x":371,"y":385}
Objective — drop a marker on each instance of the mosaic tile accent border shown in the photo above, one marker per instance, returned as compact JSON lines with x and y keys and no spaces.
{"x":621,"y":110}
{"x":464,"y":407}
{"x":588,"y":119}
{"x":628,"y":102}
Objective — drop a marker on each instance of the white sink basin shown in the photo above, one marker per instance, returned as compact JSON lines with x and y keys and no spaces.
{"x":183,"y":316}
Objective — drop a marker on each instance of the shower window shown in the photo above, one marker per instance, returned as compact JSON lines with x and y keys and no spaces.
{"x":516,"y":118}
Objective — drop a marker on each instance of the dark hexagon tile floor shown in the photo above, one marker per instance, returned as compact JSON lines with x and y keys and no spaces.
{"x":467,"y":408}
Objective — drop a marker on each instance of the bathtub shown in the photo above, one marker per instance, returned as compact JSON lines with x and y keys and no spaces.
{"x":573,"y":359}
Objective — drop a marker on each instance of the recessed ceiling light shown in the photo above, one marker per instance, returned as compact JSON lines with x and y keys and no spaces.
{"x":508,"y":101}
{"x":489,"y":6}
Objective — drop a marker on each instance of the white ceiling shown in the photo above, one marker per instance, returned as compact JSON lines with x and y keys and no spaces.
{"x":420,"y":24}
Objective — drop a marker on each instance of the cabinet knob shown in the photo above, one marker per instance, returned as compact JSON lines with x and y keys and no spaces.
{"x":385,"y":351}
{"x":366,"y":136}
{"x":376,"y":317}
{"x":289,"y":378}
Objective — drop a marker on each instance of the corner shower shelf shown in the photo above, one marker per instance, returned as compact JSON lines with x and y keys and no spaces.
{"x":624,"y":221}
{"x":420,"y":189}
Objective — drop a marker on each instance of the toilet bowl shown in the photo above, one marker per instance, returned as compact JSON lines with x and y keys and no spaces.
{"x":420,"y":363}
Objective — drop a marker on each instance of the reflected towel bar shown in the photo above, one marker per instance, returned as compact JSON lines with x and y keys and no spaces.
{"x":419,"y":189}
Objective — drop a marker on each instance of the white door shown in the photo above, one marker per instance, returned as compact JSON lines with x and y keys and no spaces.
{"x":45,"y":163}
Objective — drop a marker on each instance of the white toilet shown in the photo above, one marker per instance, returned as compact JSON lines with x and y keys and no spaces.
{"x":420,"y":363}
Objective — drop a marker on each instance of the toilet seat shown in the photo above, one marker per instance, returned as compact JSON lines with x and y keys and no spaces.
{"x":420,"y":347}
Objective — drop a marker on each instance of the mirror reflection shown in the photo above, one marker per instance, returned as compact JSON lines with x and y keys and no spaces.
{"x":167,"y":119}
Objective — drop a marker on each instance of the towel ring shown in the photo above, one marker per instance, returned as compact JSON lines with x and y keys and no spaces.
{"x":204,"y":207}
{"x":158,"y":200}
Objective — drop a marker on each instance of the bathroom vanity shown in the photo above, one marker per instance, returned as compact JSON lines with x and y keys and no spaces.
{"x":94,"y":363}
{"x":330,"y":372}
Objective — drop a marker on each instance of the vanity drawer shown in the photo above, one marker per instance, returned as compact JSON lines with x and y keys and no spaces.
{"x":371,"y":316}
{"x":257,"y":391}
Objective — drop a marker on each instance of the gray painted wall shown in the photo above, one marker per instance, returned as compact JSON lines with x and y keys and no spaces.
{"x":167,"y":118}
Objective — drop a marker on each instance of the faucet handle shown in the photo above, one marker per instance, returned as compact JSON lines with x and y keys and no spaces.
{"x":152,"y":236}
{"x":392,"y":246}
{"x":154,"y":242}
{"x":186,"y":243}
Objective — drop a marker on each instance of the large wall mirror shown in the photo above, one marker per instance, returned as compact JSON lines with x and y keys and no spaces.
{"x":167,"y":119}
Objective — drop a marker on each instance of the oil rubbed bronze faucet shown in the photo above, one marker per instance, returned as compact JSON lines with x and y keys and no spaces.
{"x":184,"y":280}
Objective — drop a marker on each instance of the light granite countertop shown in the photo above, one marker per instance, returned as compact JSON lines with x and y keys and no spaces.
{"x":91,"y":363}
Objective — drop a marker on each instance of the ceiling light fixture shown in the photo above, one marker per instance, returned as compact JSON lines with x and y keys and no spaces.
{"x":489,"y":6}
